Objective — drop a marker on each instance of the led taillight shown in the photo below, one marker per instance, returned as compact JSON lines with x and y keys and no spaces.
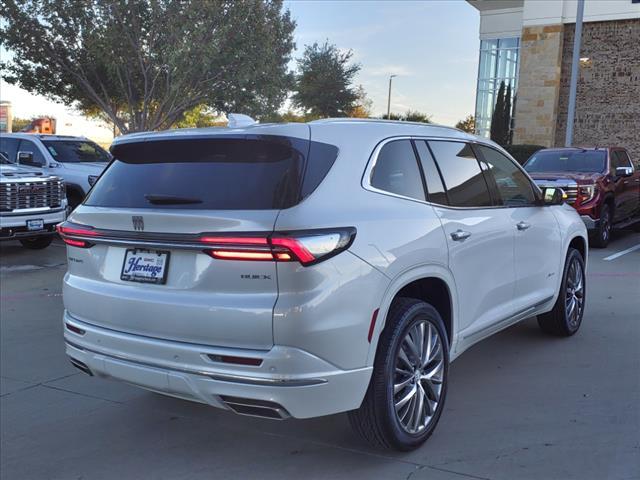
{"x":240,"y":255}
{"x":307,"y":247}
{"x":66,"y":232}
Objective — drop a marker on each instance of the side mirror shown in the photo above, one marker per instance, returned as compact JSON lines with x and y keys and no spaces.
{"x":26,"y":158}
{"x":624,"y":171}
{"x":553,"y":196}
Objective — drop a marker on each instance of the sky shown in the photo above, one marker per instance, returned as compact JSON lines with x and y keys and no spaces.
{"x":431,"y":45}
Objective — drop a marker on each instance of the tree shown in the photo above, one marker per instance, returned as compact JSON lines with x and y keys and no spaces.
{"x":409,"y":116}
{"x":506,"y":139}
{"x":199,"y":117}
{"x":467,"y":125}
{"x":497,"y":119}
{"x":142,"y":64}
{"x":323,"y":83}
{"x":416,"y":116}
{"x":362,"y":106}
{"x":18,"y":123}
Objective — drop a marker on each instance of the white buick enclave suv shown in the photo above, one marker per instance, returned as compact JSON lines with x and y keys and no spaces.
{"x":301,"y":270}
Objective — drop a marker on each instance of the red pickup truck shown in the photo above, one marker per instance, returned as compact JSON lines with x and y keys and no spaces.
{"x":601,"y":183}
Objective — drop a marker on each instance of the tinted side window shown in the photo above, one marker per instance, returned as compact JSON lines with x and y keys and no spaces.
{"x":396,"y":170}
{"x":461,"y":173}
{"x":435,"y":188}
{"x":513,"y":187}
{"x":320,"y":160}
{"x":621,"y":159}
{"x":38,"y":158}
{"x":9,"y":146}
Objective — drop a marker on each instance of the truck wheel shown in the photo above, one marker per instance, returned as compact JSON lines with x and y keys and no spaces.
{"x":565,"y":318}
{"x":408,"y":386}
{"x":73,"y":200}
{"x":603,"y":233}
{"x":36,"y":243}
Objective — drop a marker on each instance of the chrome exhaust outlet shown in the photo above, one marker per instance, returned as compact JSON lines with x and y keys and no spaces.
{"x":81,"y":366}
{"x":255,"y":408}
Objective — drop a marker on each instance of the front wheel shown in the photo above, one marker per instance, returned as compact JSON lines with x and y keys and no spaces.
{"x":565,"y":318}
{"x":36,"y":243}
{"x":408,"y":386}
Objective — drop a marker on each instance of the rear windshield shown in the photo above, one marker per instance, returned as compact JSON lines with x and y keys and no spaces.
{"x":567,"y":161}
{"x":76,"y":151}
{"x":228,"y":173}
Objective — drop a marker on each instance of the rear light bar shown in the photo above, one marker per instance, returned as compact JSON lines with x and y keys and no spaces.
{"x":306,"y":247}
{"x":65,"y":230}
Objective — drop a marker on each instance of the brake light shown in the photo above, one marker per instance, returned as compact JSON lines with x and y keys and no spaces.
{"x":307,"y":247}
{"x":65,"y":231}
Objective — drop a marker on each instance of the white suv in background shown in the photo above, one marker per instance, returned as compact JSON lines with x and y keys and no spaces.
{"x":31,"y":205}
{"x":77,"y":160}
{"x":301,"y":270}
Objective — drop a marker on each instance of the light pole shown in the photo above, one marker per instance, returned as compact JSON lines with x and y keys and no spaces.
{"x":389,"y":98}
{"x":575,"y":73}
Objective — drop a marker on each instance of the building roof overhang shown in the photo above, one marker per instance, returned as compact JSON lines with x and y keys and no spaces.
{"x":485,"y":5}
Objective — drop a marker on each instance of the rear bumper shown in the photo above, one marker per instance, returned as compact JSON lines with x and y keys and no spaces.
{"x":289,"y":380}
{"x":15,"y":226}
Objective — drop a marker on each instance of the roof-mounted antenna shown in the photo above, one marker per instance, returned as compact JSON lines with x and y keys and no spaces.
{"x":238,"y":120}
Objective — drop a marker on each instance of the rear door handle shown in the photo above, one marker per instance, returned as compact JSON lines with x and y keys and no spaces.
{"x":523,"y":225}
{"x":460,"y":235}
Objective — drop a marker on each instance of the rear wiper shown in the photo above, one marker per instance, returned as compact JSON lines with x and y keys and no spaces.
{"x":170,"y":200}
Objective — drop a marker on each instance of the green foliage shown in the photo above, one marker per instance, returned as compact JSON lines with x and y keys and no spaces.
{"x":323,"y":85}
{"x":467,"y":125}
{"x":18,"y":124}
{"x":362,"y":106}
{"x":522,"y":152}
{"x":416,"y":116}
{"x":199,"y":117}
{"x":142,"y":64}
{"x":409,"y":116}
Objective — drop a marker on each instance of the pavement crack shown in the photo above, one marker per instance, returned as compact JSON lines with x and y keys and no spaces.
{"x":94,"y":397}
{"x":38,"y":384}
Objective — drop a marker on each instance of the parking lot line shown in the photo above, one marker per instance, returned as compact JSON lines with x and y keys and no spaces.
{"x":623,"y":252}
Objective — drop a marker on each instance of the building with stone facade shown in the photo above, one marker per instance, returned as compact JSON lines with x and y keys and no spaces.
{"x":528,"y":44}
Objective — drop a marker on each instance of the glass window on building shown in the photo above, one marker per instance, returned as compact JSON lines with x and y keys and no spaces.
{"x":498,"y":63}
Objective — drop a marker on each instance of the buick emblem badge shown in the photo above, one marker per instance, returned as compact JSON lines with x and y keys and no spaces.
{"x":138,"y":222}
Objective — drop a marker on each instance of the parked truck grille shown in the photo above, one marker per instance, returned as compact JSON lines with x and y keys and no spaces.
{"x":16,"y":196}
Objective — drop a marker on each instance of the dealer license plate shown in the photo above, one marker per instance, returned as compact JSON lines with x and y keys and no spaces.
{"x":145,"y":266}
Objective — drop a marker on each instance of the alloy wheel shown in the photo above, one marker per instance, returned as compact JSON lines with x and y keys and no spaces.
{"x":418,"y":377}
{"x":574,"y":297}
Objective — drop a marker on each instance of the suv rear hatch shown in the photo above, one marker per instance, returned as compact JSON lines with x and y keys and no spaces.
{"x":172,"y":240}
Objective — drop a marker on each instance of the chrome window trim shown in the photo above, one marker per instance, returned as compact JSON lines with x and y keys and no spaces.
{"x":373,"y":159}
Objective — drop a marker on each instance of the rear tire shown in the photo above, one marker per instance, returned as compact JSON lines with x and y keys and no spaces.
{"x":566,"y":317}
{"x":36,"y":243}
{"x":603,"y":233}
{"x":408,"y":386}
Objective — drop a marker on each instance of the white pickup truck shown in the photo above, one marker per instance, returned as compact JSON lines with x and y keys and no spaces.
{"x":31,"y":204}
